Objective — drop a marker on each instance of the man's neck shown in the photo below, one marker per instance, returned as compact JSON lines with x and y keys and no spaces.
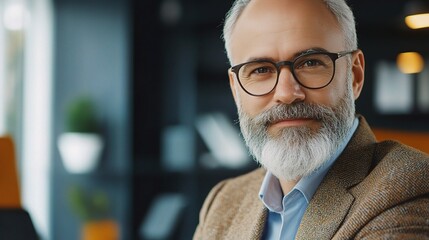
{"x":287,"y":186}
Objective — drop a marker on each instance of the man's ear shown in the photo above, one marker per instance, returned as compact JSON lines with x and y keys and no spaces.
{"x":232,"y":85}
{"x":358,"y":71}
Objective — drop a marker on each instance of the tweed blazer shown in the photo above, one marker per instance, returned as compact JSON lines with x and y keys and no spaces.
{"x":375,"y":190}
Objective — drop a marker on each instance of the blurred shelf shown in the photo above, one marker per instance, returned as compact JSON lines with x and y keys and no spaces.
{"x":107,"y":174}
{"x":149,"y":169}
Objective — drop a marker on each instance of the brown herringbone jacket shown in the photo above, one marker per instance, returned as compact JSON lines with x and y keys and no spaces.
{"x":373,"y":191}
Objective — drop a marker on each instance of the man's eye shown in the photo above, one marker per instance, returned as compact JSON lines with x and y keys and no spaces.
{"x":262,"y":70}
{"x":311,"y":63}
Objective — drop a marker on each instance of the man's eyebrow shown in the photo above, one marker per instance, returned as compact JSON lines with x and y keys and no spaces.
{"x":297,"y":54}
{"x":310,"y":50}
{"x":260,"y":59}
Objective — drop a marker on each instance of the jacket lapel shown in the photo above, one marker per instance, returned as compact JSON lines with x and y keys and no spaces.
{"x":251,"y":215}
{"x":325,"y":212}
{"x":332,"y":201}
{"x":258,"y":224}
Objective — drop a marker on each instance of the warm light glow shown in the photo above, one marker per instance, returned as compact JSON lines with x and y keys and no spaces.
{"x":417,"y":21}
{"x":410,"y":62}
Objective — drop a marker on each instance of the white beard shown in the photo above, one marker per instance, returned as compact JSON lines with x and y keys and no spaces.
{"x":298,"y":151}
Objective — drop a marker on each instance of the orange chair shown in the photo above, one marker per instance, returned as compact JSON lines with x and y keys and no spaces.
{"x":9,"y":187}
{"x":418,"y":140}
{"x":15,"y":222}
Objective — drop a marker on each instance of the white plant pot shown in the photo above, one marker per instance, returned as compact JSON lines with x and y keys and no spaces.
{"x":80,"y":151}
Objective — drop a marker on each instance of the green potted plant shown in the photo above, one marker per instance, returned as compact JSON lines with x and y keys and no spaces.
{"x":88,"y":205}
{"x":92,"y":208}
{"x":81,"y":116}
{"x":81,"y":144}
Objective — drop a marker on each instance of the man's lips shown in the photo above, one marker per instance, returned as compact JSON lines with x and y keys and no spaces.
{"x":292,"y":122}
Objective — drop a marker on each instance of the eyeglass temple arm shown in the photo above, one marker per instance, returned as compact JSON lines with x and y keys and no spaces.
{"x":342,"y":54}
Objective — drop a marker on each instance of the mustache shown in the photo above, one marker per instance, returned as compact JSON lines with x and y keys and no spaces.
{"x":292,"y":111}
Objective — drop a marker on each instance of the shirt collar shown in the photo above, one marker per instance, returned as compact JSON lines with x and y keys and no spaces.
{"x":271,"y":194}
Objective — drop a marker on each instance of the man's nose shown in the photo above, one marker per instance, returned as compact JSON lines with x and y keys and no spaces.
{"x":288,"y":89}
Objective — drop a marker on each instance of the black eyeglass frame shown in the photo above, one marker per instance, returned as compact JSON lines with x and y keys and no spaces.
{"x":334,"y":56}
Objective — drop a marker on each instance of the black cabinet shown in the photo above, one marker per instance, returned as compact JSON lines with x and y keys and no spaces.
{"x":180,"y":73}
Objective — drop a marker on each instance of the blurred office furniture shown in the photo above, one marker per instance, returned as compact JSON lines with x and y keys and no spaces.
{"x":180,"y":75}
{"x":9,"y":187}
{"x":418,"y":140}
{"x":15,"y":222}
{"x":163,"y":218}
{"x":100,"y":230}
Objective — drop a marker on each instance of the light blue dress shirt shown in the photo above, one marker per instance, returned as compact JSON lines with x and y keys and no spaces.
{"x":285,"y":212}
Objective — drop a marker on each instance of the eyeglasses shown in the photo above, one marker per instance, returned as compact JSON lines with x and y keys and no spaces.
{"x":313,"y":70}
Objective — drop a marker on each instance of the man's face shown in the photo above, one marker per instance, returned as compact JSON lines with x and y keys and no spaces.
{"x":280,"y":30}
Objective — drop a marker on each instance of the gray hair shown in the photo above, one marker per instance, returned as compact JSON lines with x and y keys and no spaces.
{"x":339,"y":8}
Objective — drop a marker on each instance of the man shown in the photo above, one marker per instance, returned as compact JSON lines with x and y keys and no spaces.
{"x":296,"y":74}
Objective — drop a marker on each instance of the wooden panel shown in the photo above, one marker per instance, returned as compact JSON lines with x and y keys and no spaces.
{"x":9,"y":187}
{"x":417,"y":140}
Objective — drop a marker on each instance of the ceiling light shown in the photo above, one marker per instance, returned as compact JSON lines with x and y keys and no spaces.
{"x":417,"y":21}
{"x":410,"y":62}
{"x":417,"y":14}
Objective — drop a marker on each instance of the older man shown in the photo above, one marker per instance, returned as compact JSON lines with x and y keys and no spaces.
{"x":296,"y":72}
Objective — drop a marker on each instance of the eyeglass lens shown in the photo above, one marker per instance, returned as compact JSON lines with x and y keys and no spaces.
{"x":311,"y":71}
